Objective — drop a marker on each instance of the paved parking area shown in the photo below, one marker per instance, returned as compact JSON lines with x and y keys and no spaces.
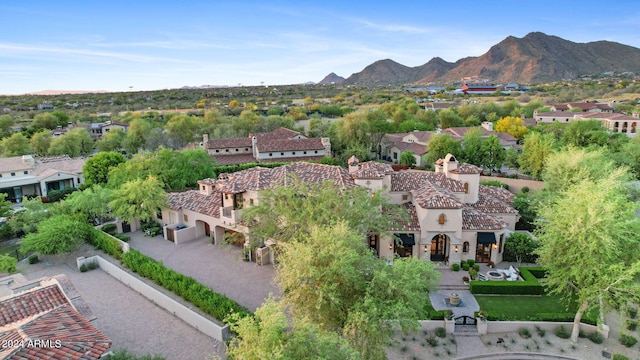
{"x":218,"y":266}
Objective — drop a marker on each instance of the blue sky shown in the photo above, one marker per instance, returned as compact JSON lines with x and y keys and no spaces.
{"x":148,"y":45}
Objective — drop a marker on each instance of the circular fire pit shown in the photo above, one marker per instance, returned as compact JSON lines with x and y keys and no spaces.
{"x":495,"y":275}
{"x":454,"y":299}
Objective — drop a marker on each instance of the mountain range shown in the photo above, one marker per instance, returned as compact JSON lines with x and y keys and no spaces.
{"x":535,"y":58}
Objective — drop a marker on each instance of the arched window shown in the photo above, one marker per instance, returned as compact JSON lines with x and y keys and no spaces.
{"x":466,"y":188}
{"x":465,"y":247}
{"x":441,"y":219}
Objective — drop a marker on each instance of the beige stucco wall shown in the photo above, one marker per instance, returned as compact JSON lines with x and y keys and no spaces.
{"x":515,"y":185}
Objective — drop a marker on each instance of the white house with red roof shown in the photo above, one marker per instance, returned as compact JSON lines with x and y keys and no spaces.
{"x":451,"y":216}
{"x":281,"y":144}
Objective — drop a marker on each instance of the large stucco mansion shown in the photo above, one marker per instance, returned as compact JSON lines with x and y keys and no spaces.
{"x":452,"y":216}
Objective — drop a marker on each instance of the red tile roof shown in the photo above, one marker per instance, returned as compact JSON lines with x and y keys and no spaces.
{"x":193,"y":200}
{"x":410,"y":180}
{"x":411,"y":224}
{"x":229,"y":143}
{"x":31,"y":303}
{"x":464,"y":168}
{"x":61,"y":333}
{"x":432,"y":197}
{"x":43,"y":324}
{"x":280,"y":133}
{"x":372,"y":170}
{"x":473,"y":219}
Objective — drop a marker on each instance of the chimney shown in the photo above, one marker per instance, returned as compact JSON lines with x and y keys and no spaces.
{"x":205,"y":140}
{"x":28,"y":160}
{"x":487,"y":125}
{"x":636,"y":115}
{"x":354,"y":164}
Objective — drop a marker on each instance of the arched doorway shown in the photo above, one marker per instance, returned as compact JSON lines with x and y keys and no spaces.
{"x":439,"y":247}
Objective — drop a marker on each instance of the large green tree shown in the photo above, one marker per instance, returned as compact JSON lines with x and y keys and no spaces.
{"x":439,"y":146}
{"x":566,"y":168}
{"x":536,"y":148}
{"x":328,"y":275}
{"x":96,"y":168}
{"x":76,"y":142}
{"x":57,"y":234}
{"x":269,"y":334}
{"x":6,"y":122}
{"x":589,"y":244}
{"x":472,"y":146}
{"x":139,"y":199}
{"x":15,"y":145}
{"x":41,"y":142}
{"x":5,"y":206}
{"x":112,"y":140}
{"x":493,"y":154}
{"x":92,"y":202}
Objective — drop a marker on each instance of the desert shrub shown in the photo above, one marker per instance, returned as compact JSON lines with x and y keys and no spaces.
{"x":632,"y":312}
{"x":465,"y":267}
{"x":6,"y":232}
{"x":620,"y":357}
{"x":541,"y":332}
{"x":627,"y":340}
{"x":89,"y":265}
{"x":57,"y":195}
{"x":562,"y":332}
{"x":494,"y":183}
{"x":441,"y":332}
{"x":455,"y":267}
{"x":595,"y":337}
{"x":524,"y":333}
{"x":631,"y":325}
{"x":8,"y":264}
{"x":33,"y":259}
{"x":432,"y":340}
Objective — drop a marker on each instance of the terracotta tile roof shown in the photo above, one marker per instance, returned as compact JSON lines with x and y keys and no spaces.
{"x":195,"y":201}
{"x":31,"y":303}
{"x":229,"y":143}
{"x":429,"y":196}
{"x":473,"y":219}
{"x":372,"y":170}
{"x":62,"y":333}
{"x":491,"y":205}
{"x":410,"y":180}
{"x":497,"y":192}
{"x":48,"y":165}
{"x":412,"y":224}
{"x":560,"y":107}
{"x":464,"y":168}
{"x":260,"y":178}
{"x":289,"y":145}
{"x":418,"y":149}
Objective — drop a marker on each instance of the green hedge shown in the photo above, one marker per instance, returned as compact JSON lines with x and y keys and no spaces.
{"x":217,"y":305}
{"x":530,"y":286}
{"x":106,"y":243}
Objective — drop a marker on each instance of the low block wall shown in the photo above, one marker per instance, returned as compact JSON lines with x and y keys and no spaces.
{"x":514,"y":326}
{"x":515,"y":185}
{"x":431,"y":324}
{"x":206,"y":326}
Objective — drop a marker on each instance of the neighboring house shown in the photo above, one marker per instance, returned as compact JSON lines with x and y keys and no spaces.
{"x":25,"y":176}
{"x":45,"y":106}
{"x":47,"y":319}
{"x":278,"y":145}
{"x":393,"y":145}
{"x":452,"y":216}
{"x":615,"y":122}
{"x":583,"y":107}
{"x":479,"y":88}
{"x":98,"y":129}
{"x":416,"y":142}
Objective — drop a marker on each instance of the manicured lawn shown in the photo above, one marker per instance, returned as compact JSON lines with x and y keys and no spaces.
{"x":534,"y":308}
